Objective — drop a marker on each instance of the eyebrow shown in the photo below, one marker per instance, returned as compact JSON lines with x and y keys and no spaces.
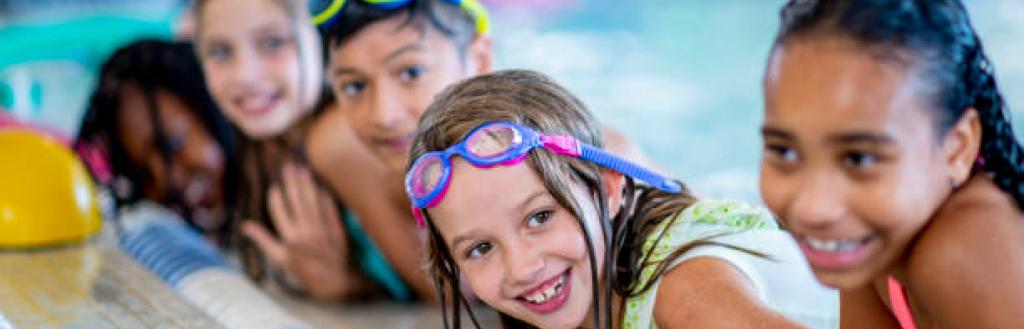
{"x":767,"y":131}
{"x":840,"y":138}
{"x":861,"y":137}
{"x":418,"y":46}
{"x":461,"y":238}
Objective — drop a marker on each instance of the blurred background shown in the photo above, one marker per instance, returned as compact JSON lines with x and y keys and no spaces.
{"x":682,"y":77}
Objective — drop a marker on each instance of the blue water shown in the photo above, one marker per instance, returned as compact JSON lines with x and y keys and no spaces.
{"x":681,"y":77}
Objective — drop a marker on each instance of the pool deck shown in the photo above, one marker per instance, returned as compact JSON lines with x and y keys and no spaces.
{"x":88,"y":286}
{"x":95,"y":285}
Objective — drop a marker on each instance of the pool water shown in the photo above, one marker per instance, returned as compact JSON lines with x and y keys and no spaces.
{"x":681,"y":77}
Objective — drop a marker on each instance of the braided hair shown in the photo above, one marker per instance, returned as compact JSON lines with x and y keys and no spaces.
{"x":938,"y":36}
{"x":151,"y":65}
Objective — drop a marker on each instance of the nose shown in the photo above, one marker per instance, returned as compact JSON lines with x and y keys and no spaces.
{"x":523,"y":265}
{"x":818,"y":202}
{"x":246,"y":67}
{"x":386,"y":110}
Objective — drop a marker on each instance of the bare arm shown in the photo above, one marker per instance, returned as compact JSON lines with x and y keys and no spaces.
{"x":357,"y":177}
{"x":707,"y":292}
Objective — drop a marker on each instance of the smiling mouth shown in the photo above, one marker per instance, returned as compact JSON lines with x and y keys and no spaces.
{"x":258,"y":105}
{"x":835,"y":254}
{"x":549,"y":296}
{"x":400,"y":144}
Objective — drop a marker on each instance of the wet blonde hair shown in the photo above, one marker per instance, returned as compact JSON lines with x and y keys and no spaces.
{"x":533,"y":100}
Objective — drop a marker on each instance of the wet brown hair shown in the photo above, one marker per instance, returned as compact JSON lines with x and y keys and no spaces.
{"x":534,"y":100}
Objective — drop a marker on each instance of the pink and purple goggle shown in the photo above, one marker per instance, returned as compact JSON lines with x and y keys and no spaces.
{"x":506,"y":143}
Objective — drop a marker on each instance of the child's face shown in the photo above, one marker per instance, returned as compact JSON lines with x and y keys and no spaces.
{"x":514,"y":243}
{"x":193,"y":175}
{"x":253,"y":65}
{"x":852,"y":162}
{"x":385,"y":76}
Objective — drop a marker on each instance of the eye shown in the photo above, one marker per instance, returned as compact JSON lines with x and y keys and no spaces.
{"x":218,"y":52}
{"x":781,"y":152}
{"x":479,"y":250}
{"x":411,"y":73}
{"x":859,"y":160}
{"x":352,"y":89}
{"x":538,"y":218}
{"x":174,"y":144}
{"x":272,"y":43}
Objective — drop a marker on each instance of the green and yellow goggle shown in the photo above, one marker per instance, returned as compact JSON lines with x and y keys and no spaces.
{"x":324,"y":10}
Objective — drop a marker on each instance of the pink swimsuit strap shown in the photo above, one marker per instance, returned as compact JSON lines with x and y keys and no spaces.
{"x":900,"y":306}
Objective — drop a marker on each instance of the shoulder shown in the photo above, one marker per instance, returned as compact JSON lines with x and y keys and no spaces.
{"x":709,"y":292}
{"x":333,"y":149}
{"x":973,"y":241}
{"x":730,"y":213}
{"x":330,"y":139}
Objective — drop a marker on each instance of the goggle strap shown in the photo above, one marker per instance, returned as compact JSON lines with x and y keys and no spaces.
{"x":563,"y":145}
{"x":628,"y":168}
{"x":474,"y":8}
{"x":418,"y":214}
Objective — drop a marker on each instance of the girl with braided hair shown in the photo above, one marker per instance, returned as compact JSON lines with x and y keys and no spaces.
{"x":889,"y":157}
{"x":163,"y":136}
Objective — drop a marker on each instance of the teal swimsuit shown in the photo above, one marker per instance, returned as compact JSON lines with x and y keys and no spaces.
{"x":373,"y":263}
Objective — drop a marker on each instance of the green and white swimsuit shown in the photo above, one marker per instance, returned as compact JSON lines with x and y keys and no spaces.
{"x":784,"y":282}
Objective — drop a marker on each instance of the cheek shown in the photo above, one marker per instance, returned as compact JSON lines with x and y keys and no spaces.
{"x":284,"y":65}
{"x":212,"y":159}
{"x":216,"y":80}
{"x":912,"y":194}
{"x":569,"y":243}
{"x":485,"y":280}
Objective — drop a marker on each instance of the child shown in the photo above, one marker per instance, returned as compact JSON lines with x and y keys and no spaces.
{"x":263,"y":64}
{"x":165,"y":140}
{"x":888,"y":156}
{"x":387,"y":60}
{"x":575,"y":236}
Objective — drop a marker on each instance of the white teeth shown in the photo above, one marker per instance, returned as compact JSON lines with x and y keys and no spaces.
{"x":256,"y":102}
{"x":833,"y":245}
{"x":542,"y":296}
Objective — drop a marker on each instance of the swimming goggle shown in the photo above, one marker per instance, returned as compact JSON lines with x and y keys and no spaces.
{"x":325,"y":10}
{"x":506,"y":143}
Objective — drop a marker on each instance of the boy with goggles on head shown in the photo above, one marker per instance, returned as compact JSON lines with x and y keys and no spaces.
{"x":385,"y":62}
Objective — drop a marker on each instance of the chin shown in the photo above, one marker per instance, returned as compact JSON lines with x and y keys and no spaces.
{"x":261,"y":131}
{"x":395,"y":163}
{"x":844,"y":281}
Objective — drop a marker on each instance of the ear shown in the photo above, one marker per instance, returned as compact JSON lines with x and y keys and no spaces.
{"x":479,"y":56}
{"x":961,"y":145}
{"x":613,"y":182}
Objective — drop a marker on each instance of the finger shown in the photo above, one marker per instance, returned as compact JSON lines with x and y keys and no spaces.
{"x":270,"y":247}
{"x":293,"y":197}
{"x":332,"y":220}
{"x":309,"y":193}
{"x":279,"y":214}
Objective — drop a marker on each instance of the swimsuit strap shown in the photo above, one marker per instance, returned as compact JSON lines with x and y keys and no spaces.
{"x":900,"y":306}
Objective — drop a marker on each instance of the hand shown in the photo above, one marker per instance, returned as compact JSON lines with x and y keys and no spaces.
{"x":311,"y":243}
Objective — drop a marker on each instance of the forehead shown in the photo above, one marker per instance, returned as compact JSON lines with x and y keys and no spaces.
{"x":833,"y":83}
{"x":482,"y":193}
{"x":386,"y":36}
{"x":227,"y":16}
{"x":134,"y":112}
